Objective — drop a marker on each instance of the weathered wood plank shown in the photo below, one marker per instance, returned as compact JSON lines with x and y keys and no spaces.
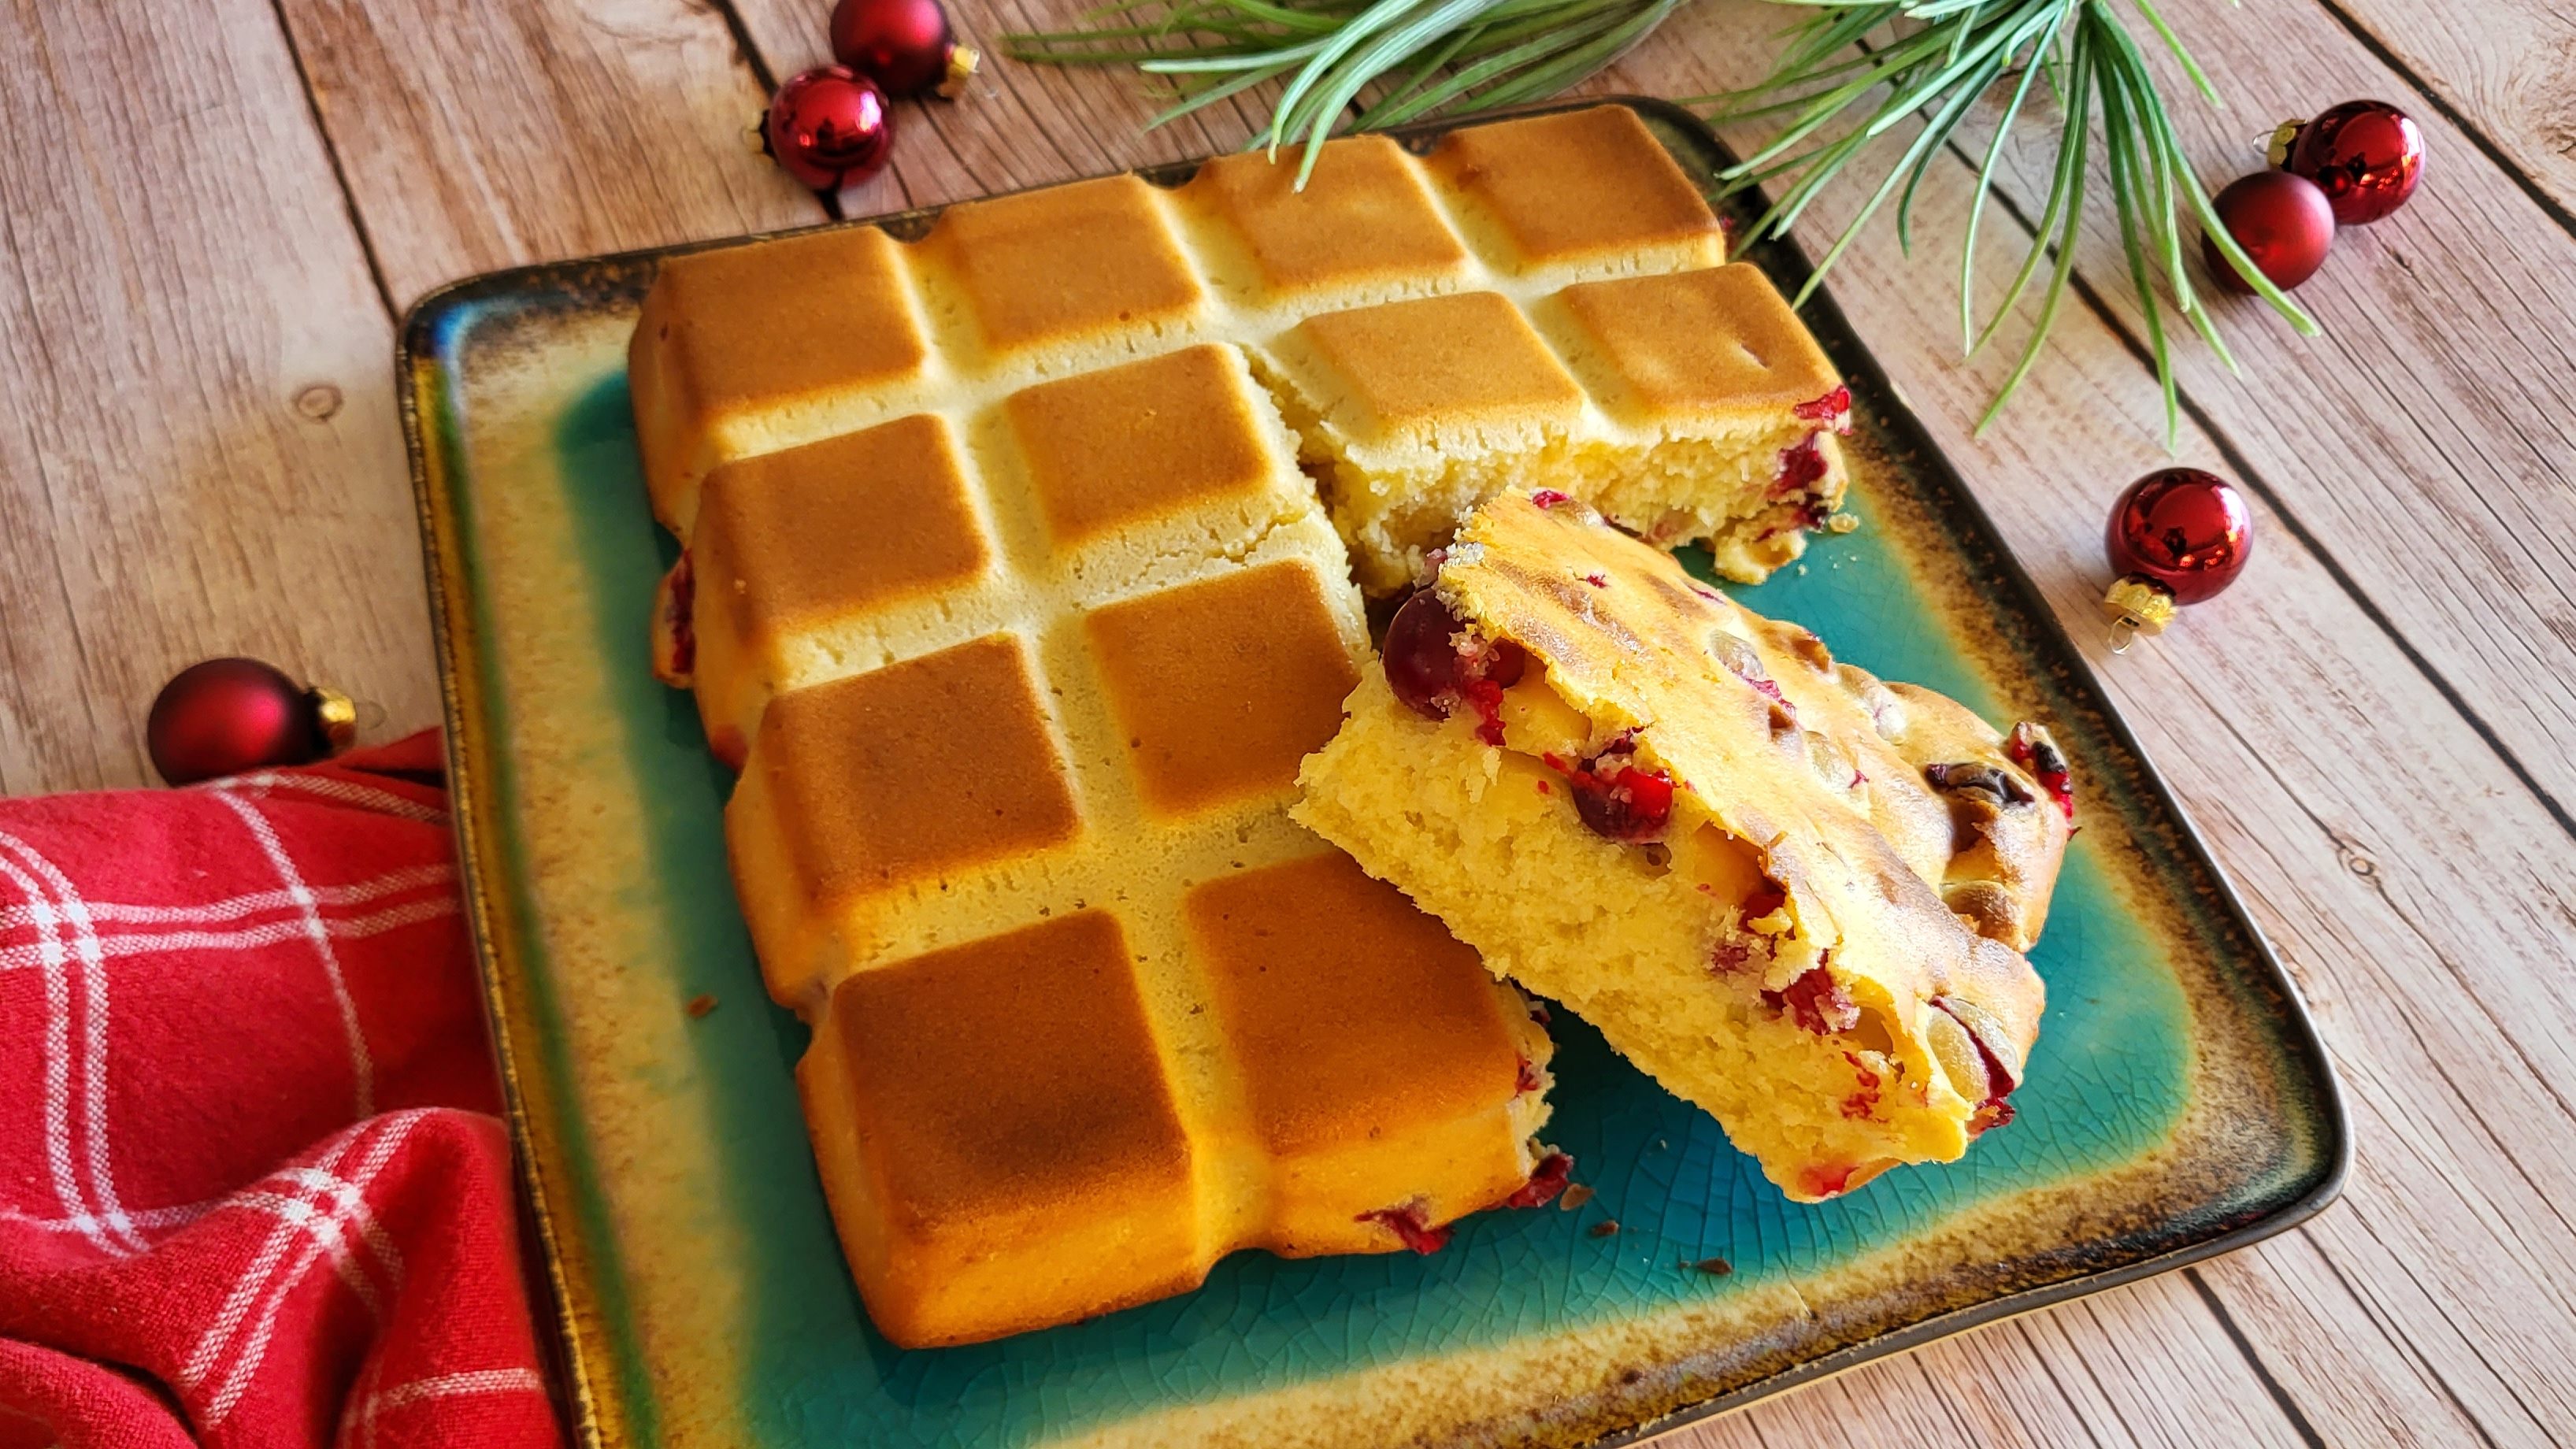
{"x":478,"y":134}
{"x":197,"y":442}
{"x":2355,"y":811}
{"x":2507,"y":67}
{"x":2424,"y":439}
{"x":2307,"y":682}
{"x":1016,"y":126}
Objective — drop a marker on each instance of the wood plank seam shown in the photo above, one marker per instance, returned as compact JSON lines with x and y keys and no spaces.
{"x":2381,"y":52}
{"x":2280,"y":1396}
{"x":2388,"y":1330}
{"x":2252,"y":479}
{"x":762,"y":72}
{"x":331,"y":154}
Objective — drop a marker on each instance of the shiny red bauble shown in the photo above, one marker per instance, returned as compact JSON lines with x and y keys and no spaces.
{"x":2282,"y":222}
{"x":906,"y":46}
{"x":830,"y":127}
{"x":225,"y":716}
{"x":2186,"y":530}
{"x":2366,"y":156}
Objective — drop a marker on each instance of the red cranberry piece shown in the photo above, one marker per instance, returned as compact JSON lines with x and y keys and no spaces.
{"x":1412,"y":1225}
{"x":1422,"y":661}
{"x":1598,"y":581}
{"x":2032,"y":749}
{"x":1545,"y":1182}
{"x":1434,"y":663}
{"x":1816,"y":1001}
{"x":1864,"y":1101}
{"x":675,"y":643}
{"x":1800,"y":467}
{"x":1994,"y":1111}
{"x":1548,"y":497}
{"x":1622,"y":802}
{"x":1827,"y":1181}
{"x":1829,"y":408}
{"x":1526,"y":1080}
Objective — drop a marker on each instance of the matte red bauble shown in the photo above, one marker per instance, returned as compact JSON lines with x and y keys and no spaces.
{"x":905,"y":46}
{"x":830,"y":127}
{"x":2366,"y":156}
{"x":225,"y":716}
{"x":2283,"y":223}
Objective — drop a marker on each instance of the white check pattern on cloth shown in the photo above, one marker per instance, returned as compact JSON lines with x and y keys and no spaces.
{"x":369,"y":1403}
{"x":325,"y":1207}
{"x":210,"y":995}
{"x":73,"y":940}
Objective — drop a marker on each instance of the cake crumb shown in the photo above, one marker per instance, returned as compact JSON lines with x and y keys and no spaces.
{"x":699,"y":1005}
{"x":1714,"y":1267}
{"x":1605,"y":1228}
{"x":1575,"y":1196}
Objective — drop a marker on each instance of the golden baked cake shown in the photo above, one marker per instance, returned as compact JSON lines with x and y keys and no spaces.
{"x":1793,"y":894}
{"x":1542,"y":301}
{"x":1019,"y":689}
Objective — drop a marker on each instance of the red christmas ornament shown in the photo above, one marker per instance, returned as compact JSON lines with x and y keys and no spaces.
{"x":2283,"y":223}
{"x":905,"y":46}
{"x":225,"y":716}
{"x":830,"y":127}
{"x":2177,"y":536}
{"x":2365,"y":155}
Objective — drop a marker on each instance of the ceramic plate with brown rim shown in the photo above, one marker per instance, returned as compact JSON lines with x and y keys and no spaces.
{"x":2178,"y":1103}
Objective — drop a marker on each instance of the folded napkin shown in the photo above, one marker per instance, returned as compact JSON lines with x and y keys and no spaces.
{"x":253,"y":1190}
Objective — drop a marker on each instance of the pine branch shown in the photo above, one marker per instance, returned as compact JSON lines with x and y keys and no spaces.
{"x":1851,"y":76}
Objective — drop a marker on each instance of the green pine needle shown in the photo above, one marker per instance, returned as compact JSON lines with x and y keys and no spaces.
{"x":1848,"y":77}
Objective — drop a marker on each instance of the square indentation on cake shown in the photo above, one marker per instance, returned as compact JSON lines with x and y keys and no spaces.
{"x":916,"y":771}
{"x":1579,"y":186}
{"x":1718,"y":340}
{"x":1353,"y":1015}
{"x":1424,"y":364}
{"x":1065,"y":265}
{"x":1143,"y":440}
{"x":1013,"y":1074}
{"x":1364,"y":217}
{"x":752,"y":325}
{"x":838,"y":526}
{"x":1220,"y":688}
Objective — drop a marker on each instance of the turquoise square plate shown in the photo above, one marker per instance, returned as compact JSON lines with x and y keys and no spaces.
{"x":2178,"y":1103}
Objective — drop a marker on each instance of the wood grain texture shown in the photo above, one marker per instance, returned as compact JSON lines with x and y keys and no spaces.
{"x":2413,"y":468}
{"x":1017,"y":125}
{"x":2423,"y":441}
{"x":479,"y":134}
{"x":198,"y":450}
{"x":2505,"y":67}
{"x":2354,"y":810}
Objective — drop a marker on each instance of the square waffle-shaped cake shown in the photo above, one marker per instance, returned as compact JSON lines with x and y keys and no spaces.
{"x":1793,"y":894}
{"x":1543,"y":301}
{"x":1019,"y":691}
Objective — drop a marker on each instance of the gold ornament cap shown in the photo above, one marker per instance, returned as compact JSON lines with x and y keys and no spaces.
{"x":336,"y":715}
{"x":2284,"y":136}
{"x":962,"y":60}
{"x":2136,"y":605}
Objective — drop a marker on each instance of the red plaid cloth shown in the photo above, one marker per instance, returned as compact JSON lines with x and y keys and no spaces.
{"x":252,"y":1188}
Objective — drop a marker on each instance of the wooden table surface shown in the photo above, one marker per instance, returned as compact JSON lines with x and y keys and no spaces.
{"x":213,"y":219}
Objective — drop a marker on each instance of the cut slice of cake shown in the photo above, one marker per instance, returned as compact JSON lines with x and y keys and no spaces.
{"x":1699,"y":832}
{"x":1689,"y":407}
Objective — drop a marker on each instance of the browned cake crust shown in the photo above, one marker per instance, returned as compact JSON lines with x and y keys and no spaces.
{"x":1791,"y":893}
{"x":1834,"y":786}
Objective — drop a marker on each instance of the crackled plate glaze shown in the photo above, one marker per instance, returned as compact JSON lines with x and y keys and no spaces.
{"x":2177,"y":1104}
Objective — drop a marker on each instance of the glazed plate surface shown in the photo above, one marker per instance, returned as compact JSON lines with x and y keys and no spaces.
{"x":2178,"y":1103}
